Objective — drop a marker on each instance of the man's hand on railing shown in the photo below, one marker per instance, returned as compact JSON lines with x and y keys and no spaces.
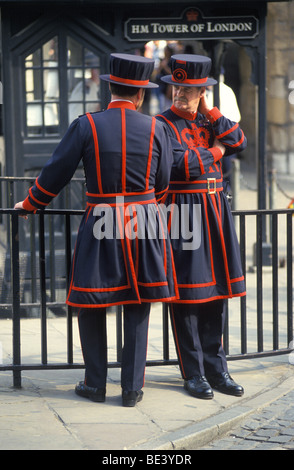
{"x":22,"y":213}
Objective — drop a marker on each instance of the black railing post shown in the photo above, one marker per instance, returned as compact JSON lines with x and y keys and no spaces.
{"x":165,"y":338}
{"x":69,"y":308}
{"x":259,"y":284}
{"x":43,"y":287}
{"x":290,"y":277}
{"x":119,"y":333}
{"x":275,"y":290}
{"x":226,"y":344}
{"x":243,"y":319}
{"x":14,"y":247}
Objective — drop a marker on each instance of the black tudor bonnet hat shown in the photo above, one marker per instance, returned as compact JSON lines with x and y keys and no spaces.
{"x":189,"y":70}
{"x":130,"y":70}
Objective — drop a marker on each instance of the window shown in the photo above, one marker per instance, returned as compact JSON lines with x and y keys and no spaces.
{"x":83,"y":80}
{"x":43,"y":72}
{"x":42,"y":90}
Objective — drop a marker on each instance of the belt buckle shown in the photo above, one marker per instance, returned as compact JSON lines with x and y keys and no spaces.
{"x":211,"y":185}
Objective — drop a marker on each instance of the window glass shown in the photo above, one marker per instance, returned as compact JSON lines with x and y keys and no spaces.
{"x":42,"y":90}
{"x":83,"y":80}
{"x":50,"y":51}
{"x":80,"y":84}
{"x":33,"y":81}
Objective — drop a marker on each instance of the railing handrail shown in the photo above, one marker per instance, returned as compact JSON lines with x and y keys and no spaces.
{"x":30,"y":178}
{"x":17,"y":365}
{"x":81,"y":211}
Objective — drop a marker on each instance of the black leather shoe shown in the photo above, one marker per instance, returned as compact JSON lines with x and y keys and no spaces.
{"x":131,"y":398}
{"x":94,"y":394}
{"x":224,"y":383}
{"x":198,"y":387}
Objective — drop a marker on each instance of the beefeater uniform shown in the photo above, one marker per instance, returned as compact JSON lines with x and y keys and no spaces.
{"x":209,"y":268}
{"x":127,"y":159}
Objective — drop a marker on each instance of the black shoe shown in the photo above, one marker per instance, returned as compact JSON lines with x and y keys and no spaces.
{"x":198,"y":387}
{"x":131,"y":398}
{"x":224,"y":383}
{"x":94,"y":394}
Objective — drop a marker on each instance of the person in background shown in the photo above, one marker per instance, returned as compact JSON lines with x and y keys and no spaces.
{"x":86,"y":90}
{"x":228,"y":107}
{"x":164,"y":90}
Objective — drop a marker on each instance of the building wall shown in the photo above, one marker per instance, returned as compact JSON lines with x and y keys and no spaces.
{"x":280,"y":89}
{"x":280,"y":92}
{"x":247,"y":104}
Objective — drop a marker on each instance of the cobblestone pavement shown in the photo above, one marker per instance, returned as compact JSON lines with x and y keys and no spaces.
{"x":270,"y":429}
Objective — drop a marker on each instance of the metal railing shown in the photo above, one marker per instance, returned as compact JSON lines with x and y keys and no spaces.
{"x":260,"y":324}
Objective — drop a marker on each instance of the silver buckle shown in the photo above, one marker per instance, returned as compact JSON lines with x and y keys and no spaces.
{"x":211,"y":185}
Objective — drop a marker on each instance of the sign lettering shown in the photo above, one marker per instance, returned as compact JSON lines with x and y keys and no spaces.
{"x":192,"y":25}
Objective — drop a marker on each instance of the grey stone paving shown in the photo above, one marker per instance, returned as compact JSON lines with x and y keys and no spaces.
{"x":270,"y":429}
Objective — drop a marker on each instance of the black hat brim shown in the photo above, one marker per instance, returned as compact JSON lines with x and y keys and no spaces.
{"x":168,"y":79}
{"x":107,"y":78}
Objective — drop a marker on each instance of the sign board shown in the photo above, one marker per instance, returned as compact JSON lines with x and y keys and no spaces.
{"x":191,"y":25}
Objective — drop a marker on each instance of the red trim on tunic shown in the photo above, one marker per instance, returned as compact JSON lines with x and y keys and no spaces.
{"x":238,"y":143}
{"x":121,"y":104}
{"x":164,"y":243}
{"x":186,"y":160}
{"x":226,"y":266}
{"x":173,"y":127}
{"x":135,"y":193}
{"x":122,"y":302}
{"x":209,"y":299}
{"x":28,"y":206}
{"x":130,"y":258}
{"x":232,"y":129}
{"x":150,"y":152}
{"x":200,"y":161}
{"x":44,"y":190}
{"x":183,"y":114}
{"x":213,"y":115}
{"x":123,"y":149}
{"x":37,"y":200}
{"x":216,"y":153}
{"x":209,"y":238}
{"x":177,"y":342}
{"x":96,"y":148}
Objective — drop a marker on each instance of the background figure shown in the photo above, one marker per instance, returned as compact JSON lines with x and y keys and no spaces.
{"x":86,"y":90}
{"x":164,"y":90}
{"x":229,"y":108}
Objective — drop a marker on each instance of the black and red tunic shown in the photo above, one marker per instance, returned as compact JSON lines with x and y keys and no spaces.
{"x":127,"y":158}
{"x":208,"y":264}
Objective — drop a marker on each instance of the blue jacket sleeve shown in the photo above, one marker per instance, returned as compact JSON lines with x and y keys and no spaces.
{"x":58,"y":171}
{"x":165,"y":161}
{"x":229,"y":133}
{"x":192,"y":163}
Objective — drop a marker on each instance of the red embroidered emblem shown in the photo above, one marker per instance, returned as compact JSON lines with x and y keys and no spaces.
{"x":196,"y":137}
{"x":180,"y":75}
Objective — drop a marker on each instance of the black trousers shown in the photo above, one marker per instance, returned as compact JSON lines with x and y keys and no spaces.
{"x":198,"y":330}
{"x":93,"y":335}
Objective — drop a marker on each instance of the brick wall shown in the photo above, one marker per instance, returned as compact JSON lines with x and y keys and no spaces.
{"x":280,"y":85}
